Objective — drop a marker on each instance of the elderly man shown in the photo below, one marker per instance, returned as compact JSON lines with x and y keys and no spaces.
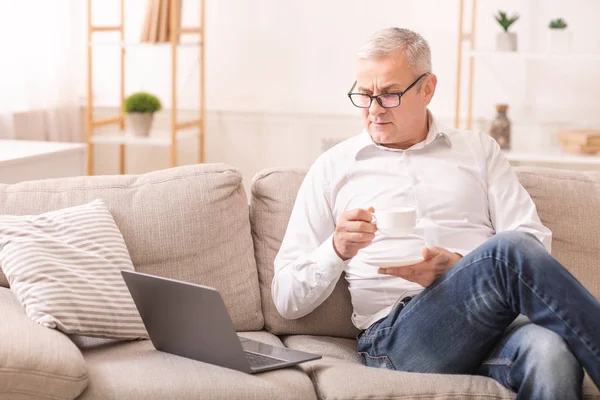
{"x":488,"y":298}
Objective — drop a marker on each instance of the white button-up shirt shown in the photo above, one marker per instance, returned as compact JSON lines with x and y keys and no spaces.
{"x":460,"y":183}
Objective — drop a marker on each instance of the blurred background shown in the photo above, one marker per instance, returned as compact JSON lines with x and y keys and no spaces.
{"x":276,"y":75}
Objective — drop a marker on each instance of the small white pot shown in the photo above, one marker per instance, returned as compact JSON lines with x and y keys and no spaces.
{"x":559,"y":41}
{"x":140,"y":123}
{"x":506,"y":41}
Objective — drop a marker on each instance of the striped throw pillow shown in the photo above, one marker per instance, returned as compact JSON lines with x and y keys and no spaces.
{"x":64,"y":268}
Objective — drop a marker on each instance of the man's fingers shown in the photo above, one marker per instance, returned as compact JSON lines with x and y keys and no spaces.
{"x":360,"y":227}
{"x":359,"y":214}
{"x":356,"y":237}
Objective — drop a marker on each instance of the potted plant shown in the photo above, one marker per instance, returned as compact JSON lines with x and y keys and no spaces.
{"x":140,"y":108}
{"x":506,"y":41}
{"x":559,"y":37}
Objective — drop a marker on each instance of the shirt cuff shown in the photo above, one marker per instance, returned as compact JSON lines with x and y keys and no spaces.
{"x":327,"y":258}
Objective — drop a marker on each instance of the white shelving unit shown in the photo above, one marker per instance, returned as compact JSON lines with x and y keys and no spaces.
{"x":117,"y":43}
{"x":532,"y":56}
{"x":553,"y":157}
{"x":156,"y":139}
{"x":179,"y":130}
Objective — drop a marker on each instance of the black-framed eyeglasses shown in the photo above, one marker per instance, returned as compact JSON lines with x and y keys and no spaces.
{"x":385,"y":100}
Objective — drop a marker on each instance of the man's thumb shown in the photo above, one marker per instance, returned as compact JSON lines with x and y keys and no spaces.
{"x":429,"y":252}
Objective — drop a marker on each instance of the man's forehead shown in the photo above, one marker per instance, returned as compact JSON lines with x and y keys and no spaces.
{"x":385,"y":72}
{"x":383,"y":82}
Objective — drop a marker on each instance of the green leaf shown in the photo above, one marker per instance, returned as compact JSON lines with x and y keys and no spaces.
{"x":557,"y":23}
{"x":505,"y":21}
{"x":142,"y":102}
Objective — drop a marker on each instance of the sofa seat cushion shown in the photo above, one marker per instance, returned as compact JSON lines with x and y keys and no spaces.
{"x":36,"y":362}
{"x":340,"y":374}
{"x":135,"y":370}
{"x":189,"y":223}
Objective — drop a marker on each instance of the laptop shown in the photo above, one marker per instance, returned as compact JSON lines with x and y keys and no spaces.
{"x":192,"y":321}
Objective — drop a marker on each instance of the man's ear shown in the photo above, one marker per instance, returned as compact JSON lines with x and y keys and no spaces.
{"x":428,"y":88}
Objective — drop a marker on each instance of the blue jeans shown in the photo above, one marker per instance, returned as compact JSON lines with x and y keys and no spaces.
{"x":507,"y":310}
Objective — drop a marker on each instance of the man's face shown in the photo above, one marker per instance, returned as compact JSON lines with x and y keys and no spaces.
{"x":404,"y":125}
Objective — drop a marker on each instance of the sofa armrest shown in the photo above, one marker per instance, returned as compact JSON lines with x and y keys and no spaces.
{"x":36,"y":362}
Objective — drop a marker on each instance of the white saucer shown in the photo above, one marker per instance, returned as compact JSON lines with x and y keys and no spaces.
{"x":393,"y":262}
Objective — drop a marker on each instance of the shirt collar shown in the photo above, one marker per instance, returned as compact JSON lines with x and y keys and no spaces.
{"x":436,"y":131}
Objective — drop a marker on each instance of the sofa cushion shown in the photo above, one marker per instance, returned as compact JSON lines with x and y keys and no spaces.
{"x":340,"y":374}
{"x":135,"y":370}
{"x":65,"y":266}
{"x":273,"y":196}
{"x":568,"y":203}
{"x":36,"y":362}
{"x":189,"y":223}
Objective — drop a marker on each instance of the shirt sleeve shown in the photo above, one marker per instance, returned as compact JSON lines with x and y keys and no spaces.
{"x":511,"y":207}
{"x":307,"y":267}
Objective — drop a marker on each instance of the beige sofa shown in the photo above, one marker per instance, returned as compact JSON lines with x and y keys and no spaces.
{"x":193,"y":223}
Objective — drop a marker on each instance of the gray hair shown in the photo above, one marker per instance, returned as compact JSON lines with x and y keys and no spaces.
{"x":415,"y":47}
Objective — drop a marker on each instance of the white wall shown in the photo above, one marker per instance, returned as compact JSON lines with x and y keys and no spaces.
{"x":268,"y":59}
{"x":298,"y":56}
{"x":272,"y":56}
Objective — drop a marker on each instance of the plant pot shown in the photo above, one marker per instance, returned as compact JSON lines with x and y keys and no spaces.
{"x":559,"y":41}
{"x":140,"y":123}
{"x":506,"y":41}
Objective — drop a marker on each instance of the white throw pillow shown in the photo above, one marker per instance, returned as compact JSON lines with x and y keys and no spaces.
{"x":64,"y":268}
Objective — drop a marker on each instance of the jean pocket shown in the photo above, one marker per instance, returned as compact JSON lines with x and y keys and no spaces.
{"x":377,"y":362}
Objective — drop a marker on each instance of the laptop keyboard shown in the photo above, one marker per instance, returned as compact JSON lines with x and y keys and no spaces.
{"x":258,"y":360}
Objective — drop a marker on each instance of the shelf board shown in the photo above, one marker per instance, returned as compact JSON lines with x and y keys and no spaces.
{"x":156,"y":138}
{"x":117,"y":43}
{"x":534,"y":55}
{"x":551,"y":156}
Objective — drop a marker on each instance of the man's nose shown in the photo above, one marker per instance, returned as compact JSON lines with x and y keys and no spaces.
{"x":375,"y":108}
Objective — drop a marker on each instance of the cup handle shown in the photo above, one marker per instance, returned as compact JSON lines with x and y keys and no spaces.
{"x":373,"y":219}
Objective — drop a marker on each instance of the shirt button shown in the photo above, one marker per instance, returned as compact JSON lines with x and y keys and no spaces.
{"x":415,"y":180}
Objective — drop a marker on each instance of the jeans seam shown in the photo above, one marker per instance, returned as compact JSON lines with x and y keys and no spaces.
{"x":499,"y":362}
{"x":385,"y":358}
{"x":503,"y":362}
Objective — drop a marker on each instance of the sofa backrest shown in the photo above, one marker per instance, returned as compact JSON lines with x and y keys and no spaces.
{"x":188,"y":223}
{"x":273,"y":196}
{"x":568,"y":202}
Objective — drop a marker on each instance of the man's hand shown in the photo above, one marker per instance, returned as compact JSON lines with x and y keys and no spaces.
{"x":436,"y":261}
{"x":354,"y":231}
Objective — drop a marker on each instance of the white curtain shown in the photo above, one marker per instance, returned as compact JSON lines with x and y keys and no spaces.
{"x":41,"y":70}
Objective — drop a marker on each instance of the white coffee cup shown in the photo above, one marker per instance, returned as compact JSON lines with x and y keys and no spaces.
{"x":393,"y":219}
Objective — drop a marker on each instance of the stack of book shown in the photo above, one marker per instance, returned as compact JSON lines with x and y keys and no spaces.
{"x":157,"y":21}
{"x":580,"y":141}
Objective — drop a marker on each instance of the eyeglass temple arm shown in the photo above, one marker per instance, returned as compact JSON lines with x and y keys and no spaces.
{"x":352,"y":88}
